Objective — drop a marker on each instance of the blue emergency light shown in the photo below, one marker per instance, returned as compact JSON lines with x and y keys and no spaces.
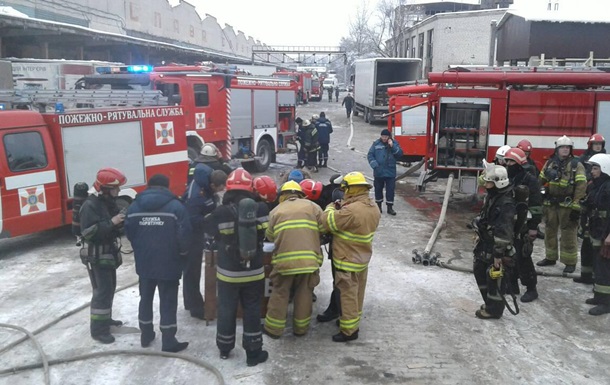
{"x":131,"y":69}
{"x":2,"y":106}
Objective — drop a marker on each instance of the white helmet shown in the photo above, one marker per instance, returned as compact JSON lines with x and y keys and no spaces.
{"x":601,"y":160}
{"x":564,"y":141}
{"x":502,"y":151}
{"x":209,"y":149}
{"x":496,"y":174}
{"x":315,"y":117}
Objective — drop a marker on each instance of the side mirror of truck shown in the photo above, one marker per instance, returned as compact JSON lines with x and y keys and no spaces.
{"x":174,"y":100}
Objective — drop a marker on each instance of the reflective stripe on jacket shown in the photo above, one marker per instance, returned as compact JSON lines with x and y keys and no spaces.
{"x":294,"y":227}
{"x":353,"y":227}
{"x":566,"y":187}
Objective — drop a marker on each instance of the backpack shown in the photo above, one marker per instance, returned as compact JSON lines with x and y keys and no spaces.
{"x":246,"y":231}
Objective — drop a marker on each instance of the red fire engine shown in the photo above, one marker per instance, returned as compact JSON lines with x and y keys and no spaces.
{"x":316,"y":88}
{"x":249,"y":118}
{"x":303,"y":80}
{"x":44,"y":154}
{"x":463,"y":116}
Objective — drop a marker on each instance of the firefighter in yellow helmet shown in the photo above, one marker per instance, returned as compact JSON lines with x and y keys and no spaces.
{"x":352,"y":222}
{"x":565,"y":181}
{"x":294,"y":227}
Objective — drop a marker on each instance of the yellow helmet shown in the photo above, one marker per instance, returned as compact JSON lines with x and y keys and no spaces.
{"x":291,"y":187}
{"x":354,"y":178}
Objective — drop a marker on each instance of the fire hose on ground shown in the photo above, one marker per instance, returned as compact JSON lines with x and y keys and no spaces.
{"x":46,"y":362}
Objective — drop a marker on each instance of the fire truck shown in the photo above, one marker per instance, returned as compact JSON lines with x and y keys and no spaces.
{"x":45,"y":154}
{"x":316,"y":89}
{"x":464,"y":115}
{"x":303,"y":80}
{"x":248,"y":118}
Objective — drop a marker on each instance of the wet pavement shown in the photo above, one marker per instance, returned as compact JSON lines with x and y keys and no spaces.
{"x":418,"y":325}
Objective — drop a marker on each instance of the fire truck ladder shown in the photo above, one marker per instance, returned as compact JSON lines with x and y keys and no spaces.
{"x":69,"y":99}
{"x":528,"y":69}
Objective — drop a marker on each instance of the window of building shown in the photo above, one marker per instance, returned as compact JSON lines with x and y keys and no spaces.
{"x":157,"y":20}
{"x":407,"y":53}
{"x":557,"y":6}
{"x":548,"y":7}
{"x":429,"y":53}
{"x":223,"y":41}
{"x":413,"y":47}
{"x":202,"y":97}
{"x":134,"y":11}
{"x":176,"y":26}
{"x":192,"y":31}
{"x":420,"y":53}
{"x":25,"y":151}
{"x":204,"y":36}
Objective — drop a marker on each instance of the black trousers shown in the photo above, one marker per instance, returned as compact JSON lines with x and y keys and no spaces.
{"x":334,"y":306}
{"x":524,"y":266}
{"x":488,"y":287}
{"x":311,"y":159}
{"x":601,"y":275}
{"x":323,"y":153}
{"x":191,"y":278}
{"x":587,"y":256}
{"x":250,"y":296}
{"x":348,"y":111}
{"x":168,"y":305}
{"x":101,"y":300}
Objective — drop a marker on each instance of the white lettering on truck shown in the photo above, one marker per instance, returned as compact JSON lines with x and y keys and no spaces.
{"x":114,"y":116}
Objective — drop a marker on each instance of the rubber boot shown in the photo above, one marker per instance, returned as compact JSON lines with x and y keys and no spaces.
{"x":391,"y":210}
{"x":569,"y":269}
{"x":146,"y":338}
{"x":600,"y":309}
{"x":332,"y":311}
{"x":170,"y":343}
{"x":596,"y":300}
{"x":340,"y":337}
{"x":529,"y":295}
{"x":586,"y":278}
{"x":116,"y":322}
{"x":104,"y":338}
{"x":255,"y":357}
{"x":324,"y":164}
{"x":379,"y":205}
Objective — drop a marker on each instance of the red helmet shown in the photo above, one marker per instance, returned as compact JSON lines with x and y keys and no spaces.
{"x":312,"y":189}
{"x":596,"y":138}
{"x":525,"y":145}
{"x":240,"y":179}
{"x":266,"y":188}
{"x":109,"y":177}
{"x":516,"y":154}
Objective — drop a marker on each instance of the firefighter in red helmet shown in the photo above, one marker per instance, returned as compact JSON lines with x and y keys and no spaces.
{"x":526,"y":146}
{"x":101,"y":224}
{"x":595,"y":145}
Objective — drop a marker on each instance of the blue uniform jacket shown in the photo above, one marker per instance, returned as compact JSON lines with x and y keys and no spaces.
{"x":325,"y":128}
{"x":382,"y":158}
{"x":159,"y":229}
{"x":199,"y":197}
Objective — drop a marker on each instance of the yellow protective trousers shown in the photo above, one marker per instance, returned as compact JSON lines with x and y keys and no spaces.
{"x":351,"y":287}
{"x":560,"y":237}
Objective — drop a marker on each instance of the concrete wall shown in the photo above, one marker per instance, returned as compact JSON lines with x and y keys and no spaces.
{"x":457,"y":38}
{"x":179,"y":24}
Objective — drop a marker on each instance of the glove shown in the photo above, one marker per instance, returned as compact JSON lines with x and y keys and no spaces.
{"x":508,"y":261}
{"x":575,"y":215}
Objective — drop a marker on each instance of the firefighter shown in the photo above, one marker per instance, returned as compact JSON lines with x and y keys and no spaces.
{"x":240,"y":272}
{"x":310,"y":145}
{"x":499,"y":158}
{"x":526,"y":146}
{"x":300,"y":140}
{"x":595,"y":145}
{"x":200,"y":199}
{"x":348,"y":102}
{"x":294,"y":227}
{"x":528,"y":199}
{"x":209,"y":156}
{"x":337,"y":94}
{"x":596,"y":220}
{"x":266,"y":189}
{"x":494,"y":250}
{"x":382,"y":157}
{"x":159,"y":230}
{"x":330,"y":93}
{"x":566,"y":182}
{"x":352,"y":222}
{"x":101,"y":224}
{"x":325,"y":128}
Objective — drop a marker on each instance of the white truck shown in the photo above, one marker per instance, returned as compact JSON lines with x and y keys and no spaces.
{"x":372,"y":78}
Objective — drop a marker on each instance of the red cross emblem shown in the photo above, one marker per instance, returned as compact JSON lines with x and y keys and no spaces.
{"x":164,"y":133}
{"x":32,"y":200}
{"x":200,"y":120}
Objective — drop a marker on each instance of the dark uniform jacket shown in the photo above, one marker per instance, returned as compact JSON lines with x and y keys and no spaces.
{"x":310,"y":137}
{"x":531,"y":167}
{"x":199,"y":197}
{"x":325,"y":128}
{"x":595,"y":214}
{"x":382,"y":158}
{"x":222,"y":224}
{"x":496,"y":225}
{"x":159,"y":229}
{"x":98,"y":231}
{"x":534,"y":200}
{"x":584,"y":158}
{"x":212,"y":162}
{"x":348,"y":101}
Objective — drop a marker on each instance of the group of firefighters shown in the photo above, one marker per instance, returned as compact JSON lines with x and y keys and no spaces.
{"x":169,"y":234}
{"x":574,"y":201}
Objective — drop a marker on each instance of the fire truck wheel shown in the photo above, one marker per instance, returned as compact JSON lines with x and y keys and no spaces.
{"x":366,"y":115}
{"x":370,"y":117}
{"x":266,"y":154}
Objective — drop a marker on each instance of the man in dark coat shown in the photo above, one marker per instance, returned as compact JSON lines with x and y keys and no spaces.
{"x":382,"y":157}
{"x":159,"y":229}
{"x":200,"y":200}
{"x":311,"y":145}
{"x":348,"y":102}
{"x":325,"y":128}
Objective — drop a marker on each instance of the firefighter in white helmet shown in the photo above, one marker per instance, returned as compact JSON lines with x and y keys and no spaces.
{"x":499,"y":159}
{"x":595,"y":221}
{"x":595,"y":145}
{"x":493,"y":252}
{"x":565,"y":182}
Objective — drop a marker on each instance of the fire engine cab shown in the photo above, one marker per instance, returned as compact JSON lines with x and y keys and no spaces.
{"x":304,"y":82}
{"x":248,"y":118}
{"x":464,"y":115}
{"x":43,"y":155}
